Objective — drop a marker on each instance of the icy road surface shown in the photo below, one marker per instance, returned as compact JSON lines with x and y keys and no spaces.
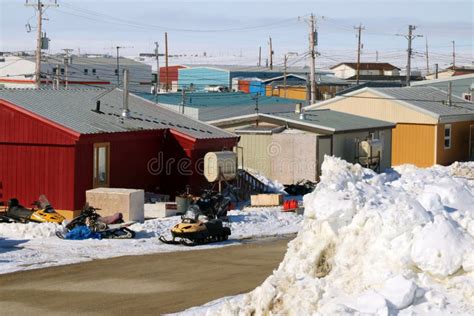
{"x":32,"y":245}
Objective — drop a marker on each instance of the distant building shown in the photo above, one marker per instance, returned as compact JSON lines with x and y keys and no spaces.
{"x":432,"y":128}
{"x":19,"y":71}
{"x":349,"y":70}
{"x":168,"y":78}
{"x":206,"y":106}
{"x":461,"y":86}
{"x":452,"y":72}
{"x":198,"y":77}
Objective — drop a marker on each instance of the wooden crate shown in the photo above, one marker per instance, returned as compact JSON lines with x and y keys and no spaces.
{"x":266,"y":200}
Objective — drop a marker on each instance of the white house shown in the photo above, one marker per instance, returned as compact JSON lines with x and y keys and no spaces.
{"x":349,"y":70}
{"x":18,"y":71}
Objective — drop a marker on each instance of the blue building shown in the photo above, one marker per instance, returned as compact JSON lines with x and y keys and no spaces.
{"x":199,"y":77}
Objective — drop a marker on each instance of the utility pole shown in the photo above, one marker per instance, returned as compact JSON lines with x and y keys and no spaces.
{"x":359,"y":28}
{"x":259,"y":56}
{"x":66,"y":63}
{"x":118,"y":62}
{"x":377,"y":56}
{"x":157,"y":81}
{"x":271,"y":52}
{"x":39,"y":6}
{"x":312,"y":55}
{"x":257,"y":95}
{"x":410,"y":38}
{"x":454,"y":54}
{"x":166,"y":61}
{"x":427,"y":57}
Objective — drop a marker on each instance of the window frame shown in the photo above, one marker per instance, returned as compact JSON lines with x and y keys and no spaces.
{"x":86,"y":71}
{"x":95,"y":165}
{"x":448,"y":138}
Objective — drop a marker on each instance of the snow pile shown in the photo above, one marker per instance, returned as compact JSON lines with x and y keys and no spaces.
{"x":463,"y":169}
{"x":33,"y":245}
{"x":272,"y":185}
{"x":383,"y":244}
{"x":29,"y":231}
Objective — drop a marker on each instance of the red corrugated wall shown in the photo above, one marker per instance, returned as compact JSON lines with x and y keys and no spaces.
{"x":172,"y":74}
{"x":35,"y":158}
{"x":244,"y":85}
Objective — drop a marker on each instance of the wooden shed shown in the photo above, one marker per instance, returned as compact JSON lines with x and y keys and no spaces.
{"x":64,"y":142}
{"x":432,"y":127}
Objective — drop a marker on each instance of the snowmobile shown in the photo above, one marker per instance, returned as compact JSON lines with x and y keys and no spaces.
{"x":110,"y":227}
{"x":213,"y":204}
{"x":197,"y":229}
{"x":42,"y":212}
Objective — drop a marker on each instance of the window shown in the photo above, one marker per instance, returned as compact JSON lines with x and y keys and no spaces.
{"x":62,"y":71}
{"x":94,"y":72}
{"x":447,"y":136}
{"x":101,"y":165}
{"x":116,"y":72}
{"x":86,"y":72}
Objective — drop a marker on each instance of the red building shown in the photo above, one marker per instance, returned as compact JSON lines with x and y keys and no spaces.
{"x":169,"y":77}
{"x":64,"y":142}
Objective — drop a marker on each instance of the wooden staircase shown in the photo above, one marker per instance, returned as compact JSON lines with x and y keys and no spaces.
{"x":247,"y":184}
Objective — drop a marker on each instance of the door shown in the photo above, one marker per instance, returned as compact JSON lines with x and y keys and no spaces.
{"x":101,"y":165}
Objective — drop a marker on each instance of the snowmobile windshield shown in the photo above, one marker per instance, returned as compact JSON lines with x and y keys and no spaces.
{"x":192,"y":213}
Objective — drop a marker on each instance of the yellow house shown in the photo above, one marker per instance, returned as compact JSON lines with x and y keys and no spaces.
{"x":432,"y":128}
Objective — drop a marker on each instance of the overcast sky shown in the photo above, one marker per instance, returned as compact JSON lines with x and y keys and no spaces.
{"x":226,"y":27}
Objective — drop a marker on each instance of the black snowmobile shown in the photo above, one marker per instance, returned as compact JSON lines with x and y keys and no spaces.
{"x":108,"y":227}
{"x":203,"y":222}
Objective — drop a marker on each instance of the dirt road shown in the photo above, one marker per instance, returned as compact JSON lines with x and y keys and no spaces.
{"x":140,"y":285}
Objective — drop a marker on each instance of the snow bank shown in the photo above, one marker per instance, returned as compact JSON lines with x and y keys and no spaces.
{"x":400,"y":242}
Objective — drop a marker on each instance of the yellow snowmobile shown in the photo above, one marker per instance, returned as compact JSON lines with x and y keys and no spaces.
{"x":42,"y":212}
{"x":197,"y":229}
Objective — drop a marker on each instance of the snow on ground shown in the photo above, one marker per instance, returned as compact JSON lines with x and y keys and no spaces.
{"x":400,"y":243}
{"x":33,"y":245}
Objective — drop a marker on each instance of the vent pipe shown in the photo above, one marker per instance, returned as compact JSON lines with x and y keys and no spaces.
{"x":298,"y":108}
{"x":302,"y":115}
{"x":436,"y":71}
{"x":97,"y":107}
{"x":450,"y":93}
{"x":125,"y":109}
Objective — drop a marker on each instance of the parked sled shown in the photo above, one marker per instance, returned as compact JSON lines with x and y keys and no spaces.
{"x":41,"y":212}
{"x":111,"y":227}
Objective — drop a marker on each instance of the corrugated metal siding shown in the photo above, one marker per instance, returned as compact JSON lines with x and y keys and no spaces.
{"x":35,"y":159}
{"x":255,"y":151}
{"x":244,"y":86}
{"x":27,"y":171}
{"x":257,"y":87}
{"x":413,"y":144}
{"x":200,"y":77}
{"x":459,"y":150}
{"x":172,"y":74}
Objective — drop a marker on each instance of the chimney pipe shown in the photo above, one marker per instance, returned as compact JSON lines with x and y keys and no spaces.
{"x":436,"y":71}
{"x":97,"y":106}
{"x":298,"y":108}
{"x":125,"y":109}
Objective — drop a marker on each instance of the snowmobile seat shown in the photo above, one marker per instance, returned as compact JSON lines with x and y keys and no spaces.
{"x":112,"y":219}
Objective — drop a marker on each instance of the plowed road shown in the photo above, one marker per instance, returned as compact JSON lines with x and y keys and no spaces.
{"x":140,"y":285}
